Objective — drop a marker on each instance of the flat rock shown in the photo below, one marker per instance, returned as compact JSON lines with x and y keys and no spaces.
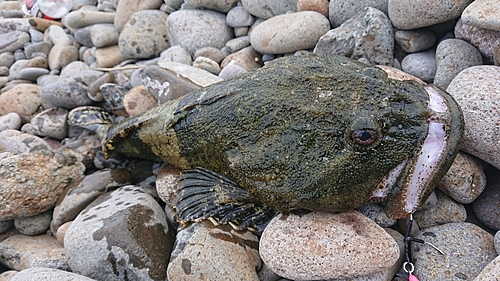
{"x":367,"y":35}
{"x":34,"y":225}
{"x":289,"y":32}
{"x":412,"y":14}
{"x":266,"y":9}
{"x":477,"y":91}
{"x":21,"y":252}
{"x":214,"y":253}
{"x":467,"y":250}
{"x":13,"y":40}
{"x":108,"y":56}
{"x":121,"y":235}
{"x":317,"y":246}
{"x":342,"y":10}
{"x":47,"y":274}
{"x":483,"y":14}
{"x":23,"y":99}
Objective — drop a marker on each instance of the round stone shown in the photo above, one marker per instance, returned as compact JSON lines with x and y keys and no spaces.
{"x":51,"y":123}
{"x":126,"y":8}
{"x":239,"y":17}
{"x":104,"y":35}
{"x":266,"y":9}
{"x":217,"y":5}
{"x":487,"y":205}
{"x":177,"y":54}
{"x":23,"y":99}
{"x":10,"y":121}
{"x":483,"y":14}
{"x":138,"y":100}
{"x":421,"y":65}
{"x":413,"y":41}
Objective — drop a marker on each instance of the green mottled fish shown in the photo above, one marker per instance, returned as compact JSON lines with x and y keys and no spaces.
{"x":323,"y":133}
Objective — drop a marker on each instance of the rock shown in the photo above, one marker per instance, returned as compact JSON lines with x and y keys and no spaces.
{"x":15,"y":69}
{"x":490,"y":272}
{"x":82,"y":18}
{"x":376,"y":213}
{"x":104,"y":35}
{"x":84,"y":149}
{"x":318,"y":246}
{"x":13,"y":40}
{"x":197,"y":76}
{"x":445,"y":211}
{"x":216,"y":5}
{"x":34,"y":225}
{"x":487,"y":205}
{"x":109,"y":56}
{"x":32,"y":73}
{"x":231,"y":70}
{"x":289,"y":33}
{"x":78,"y":196}
{"x":483,"y":39}
{"x":11,"y":24}
{"x":207,"y":64}
{"x":62,"y":54}
{"x":413,"y":41}
{"x":10,"y":121}
{"x":113,"y":95}
{"x":214,"y":253}
{"x":467,"y":250}
{"x":320,"y":6}
{"x":453,"y":56}
{"x":121,"y":235}
{"x":126,"y":8}
{"x":51,"y":123}
{"x":246,"y":58}
{"x":237,"y":44}
{"x":165,"y":85}
{"x":195,"y":29}
{"x":239,"y":17}
{"x":94,"y":93}
{"x":144,"y":35}
{"x":22,"y":99}
{"x":483,"y":14}
{"x":38,"y":49}
{"x":8,"y":275}
{"x":46,"y":274}
{"x":6,"y":225}
{"x":477,"y":90}
{"x":66,"y":93}
{"x":421,"y":65}
{"x":17,"y":142}
{"x":366,"y":35}
{"x":177,"y":54}
{"x":38,"y":62}
{"x":82,"y":36}
{"x":342,"y":10}
{"x":31,"y":182}
{"x":6,"y":59}
{"x":269,"y":8}
{"x":465,"y":180}
{"x":57,"y":34}
{"x":20,"y":252}
{"x":412,"y":14}
{"x":138,"y":100}
{"x":166,"y":186}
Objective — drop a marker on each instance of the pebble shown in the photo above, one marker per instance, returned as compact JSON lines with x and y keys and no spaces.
{"x":37,"y":48}
{"x":66,"y":93}
{"x":490,"y":272}
{"x":22,"y":99}
{"x":320,"y":6}
{"x":20,"y":252}
{"x":51,"y":123}
{"x":108,"y":56}
{"x":331,"y":246}
{"x":16,"y":142}
{"x":177,"y":54}
{"x":104,"y":35}
{"x":164,"y":85}
{"x":113,"y":95}
{"x":126,"y":8}
{"x":195,"y":29}
{"x":15,"y":69}
{"x":413,"y":41}
{"x":197,"y":76}
{"x":239,"y":17}
{"x":214,"y":253}
{"x":13,"y":40}
{"x":5,"y":225}
{"x":40,"y":62}
{"x":6,"y":59}
{"x":62,"y":54}
{"x":467,"y":250}
{"x":483,"y":39}
{"x":32,"y":73}
{"x":47,"y":274}
{"x":237,"y":44}
{"x":138,"y":100}
{"x":289,"y":32}
{"x":266,"y":9}
{"x":32,"y":182}
{"x":487,"y":206}
{"x":56,"y":34}
{"x":82,"y":18}
{"x":231,"y":70}
{"x":34,"y":225}
{"x":246,"y":58}
{"x":376,"y":213}
{"x":82,"y":36}
{"x":144,"y":35}
{"x":453,"y":56}
{"x":483,"y":14}
{"x":477,"y":90}
{"x":10,"y":121}
{"x":421,"y":65}
{"x":465,"y":180}
{"x":207,"y":64}
{"x":413,"y":14}
{"x":216,"y":5}
{"x":445,"y":211}
{"x":141,"y":249}
{"x":367,"y":35}
{"x":342,"y":10}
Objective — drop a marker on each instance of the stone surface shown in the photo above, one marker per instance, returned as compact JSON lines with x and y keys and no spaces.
{"x":246,"y":58}
{"x":318,"y":246}
{"x":342,"y":10}
{"x":487,"y":206}
{"x":490,"y":272}
{"x":81,"y":18}
{"x":21,"y":252}
{"x":126,"y":8}
{"x":413,"y":41}
{"x":62,"y":54}
{"x":467,"y":250}
{"x":445,"y":211}
{"x":17,"y":142}
{"x":485,"y":40}
{"x":216,"y":5}
{"x":366,"y":35}
{"x":269,"y":8}
{"x":51,"y":123}
{"x":483,"y":14}
{"x":104,"y":35}
{"x":138,"y":100}
{"x":421,"y":65}
{"x":122,"y":234}
{"x":477,"y":90}
{"x":31,"y":182}
{"x":239,"y":17}
{"x":13,"y":40}
{"x":34,"y":225}
{"x":108,"y":56}
{"x":22,"y":99}
{"x":289,"y":33}
{"x":214,"y":253}
{"x":67,"y":93}
{"x":10,"y":121}
{"x":47,"y":274}
{"x":177,"y":54}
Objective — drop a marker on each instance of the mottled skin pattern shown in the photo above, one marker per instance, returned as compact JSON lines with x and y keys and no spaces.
{"x":284,"y":132}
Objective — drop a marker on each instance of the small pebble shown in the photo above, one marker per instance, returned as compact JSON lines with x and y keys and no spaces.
{"x":237,"y":44}
{"x":211,"y":53}
{"x":138,"y":100}
{"x":10,"y":121}
{"x":82,"y":18}
{"x":421,"y":65}
{"x":34,"y":225}
{"x":108,"y":56}
{"x":104,"y":35}
{"x":445,"y":211}
{"x":126,"y":8}
{"x":51,"y":123}
{"x":239,"y":17}
{"x":342,"y":10}
{"x":483,"y":39}
{"x":413,"y":41}
{"x":487,"y":205}
{"x":246,"y":58}
{"x":23,"y":99}
{"x":207,"y":64}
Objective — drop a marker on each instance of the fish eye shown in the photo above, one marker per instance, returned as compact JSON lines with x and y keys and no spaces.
{"x":364,"y":136}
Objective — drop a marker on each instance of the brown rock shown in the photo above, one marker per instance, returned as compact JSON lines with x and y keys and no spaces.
{"x":138,"y":100}
{"x":320,"y":6}
{"x":24,"y":99}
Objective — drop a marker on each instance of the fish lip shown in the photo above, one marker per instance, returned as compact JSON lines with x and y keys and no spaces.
{"x":423,"y":171}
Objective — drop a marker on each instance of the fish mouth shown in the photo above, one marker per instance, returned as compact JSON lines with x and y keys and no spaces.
{"x":408,"y":185}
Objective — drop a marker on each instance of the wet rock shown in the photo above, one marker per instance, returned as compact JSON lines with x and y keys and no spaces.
{"x":22,"y":99}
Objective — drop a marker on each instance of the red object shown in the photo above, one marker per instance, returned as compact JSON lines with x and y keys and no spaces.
{"x":35,"y":11}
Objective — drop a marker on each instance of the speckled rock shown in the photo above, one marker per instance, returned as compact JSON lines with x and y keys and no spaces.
{"x":269,"y":8}
{"x":138,"y":100}
{"x":483,"y":39}
{"x":342,"y":10}
{"x":467,"y":250}
{"x":330,"y":245}
{"x":246,"y":58}
{"x":465,"y":180}
{"x":490,"y":272}
{"x":84,"y":149}
{"x":413,"y":41}
{"x":126,"y":8}
{"x":104,"y":35}
{"x":165,"y":85}
{"x":122,"y":234}
{"x":22,"y":99}
{"x":487,"y":205}
{"x":21,"y":252}
{"x":51,"y":123}
{"x":453,"y":56}
{"x":289,"y":33}
{"x":202,"y":252}
{"x":421,"y":65}
{"x":412,"y":14}
{"x":376,"y":213}
{"x":47,"y":274}
{"x":483,"y":14}
{"x":216,"y":5}
{"x":63,"y":53}
{"x":320,"y":6}
{"x":31,"y":182}
{"x":177,"y":54}
{"x":144,"y":35}
{"x":13,"y":40}
{"x":367,"y":35}
{"x":195,"y":29}
{"x":477,"y":91}
{"x":113,"y":95}
{"x":34,"y":225}
{"x":66,"y":93}
{"x":10,"y":121}
{"x":17,"y":142}
{"x":108,"y":56}
{"x":445,"y":211}
{"x":166,"y":186}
